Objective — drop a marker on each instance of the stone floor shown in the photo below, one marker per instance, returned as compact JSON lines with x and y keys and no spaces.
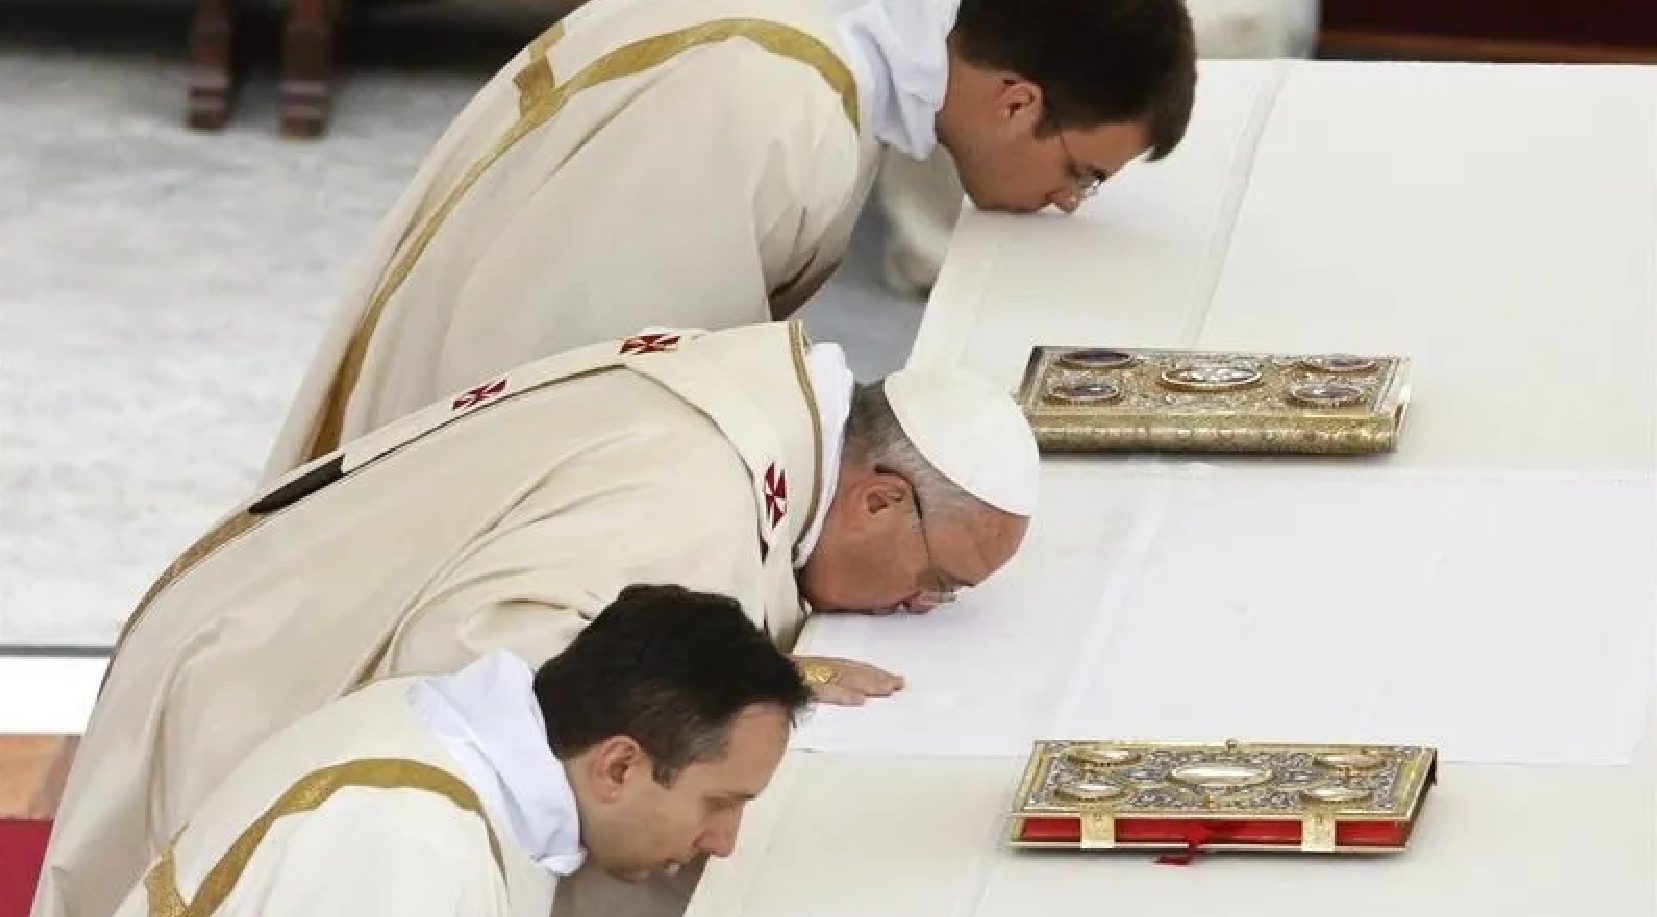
{"x":161,"y":290}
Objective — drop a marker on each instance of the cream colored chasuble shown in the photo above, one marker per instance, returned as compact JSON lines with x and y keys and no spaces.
{"x":505,"y":516}
{"x":362,"y":809}
{"x":686,"y":163}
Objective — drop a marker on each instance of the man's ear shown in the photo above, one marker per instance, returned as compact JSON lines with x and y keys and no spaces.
{"x":1019,"y":102}
{"x":885,"y":491}
{"x":612,"y":763}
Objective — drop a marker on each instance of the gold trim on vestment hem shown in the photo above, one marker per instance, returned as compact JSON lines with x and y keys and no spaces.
{"x":797,"y":338}
{"x":161,"y":887}
{"x":536,"y":79}
{"x":537,"y":104}
{"x":225,"y":532}
{"x":307,"y":795}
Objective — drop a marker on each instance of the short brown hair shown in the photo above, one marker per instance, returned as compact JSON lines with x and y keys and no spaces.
{"x":1097,"y":61}
{"x":669,"y":667}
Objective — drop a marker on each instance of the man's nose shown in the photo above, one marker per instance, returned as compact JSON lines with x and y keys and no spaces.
{"x":718,"y":843}
{"x":720,"y":840}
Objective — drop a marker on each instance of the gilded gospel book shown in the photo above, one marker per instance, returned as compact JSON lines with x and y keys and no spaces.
{"x":1088,"y":399}
{"x":1103,"y":795}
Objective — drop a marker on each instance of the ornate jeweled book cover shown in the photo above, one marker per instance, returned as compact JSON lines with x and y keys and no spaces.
{"x":1088,"y":399}
{"x":1222,"y":796}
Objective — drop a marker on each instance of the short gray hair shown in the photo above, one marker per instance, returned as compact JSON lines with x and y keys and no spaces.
{"x":874,"y":436}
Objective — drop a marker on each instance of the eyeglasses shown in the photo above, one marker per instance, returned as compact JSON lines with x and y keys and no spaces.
{"x":1086,"y":179}
{"x":933,"y":580}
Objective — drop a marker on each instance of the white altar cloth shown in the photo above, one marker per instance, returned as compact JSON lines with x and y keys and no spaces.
{"x":1497,"y":224}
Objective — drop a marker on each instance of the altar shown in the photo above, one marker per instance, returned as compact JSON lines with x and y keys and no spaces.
{"x":1487,"y":587}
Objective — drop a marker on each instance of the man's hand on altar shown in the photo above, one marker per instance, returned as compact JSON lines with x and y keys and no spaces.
{"x":844,"y":682}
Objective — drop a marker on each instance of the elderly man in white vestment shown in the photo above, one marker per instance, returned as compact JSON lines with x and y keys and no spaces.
{"x":473,"y":794}
{"x":700,"y":163}
{"x":745,"y":463}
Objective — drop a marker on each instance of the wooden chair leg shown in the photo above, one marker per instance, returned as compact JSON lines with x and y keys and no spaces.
{"x":307,"y":68}
{"x":212,"y":73}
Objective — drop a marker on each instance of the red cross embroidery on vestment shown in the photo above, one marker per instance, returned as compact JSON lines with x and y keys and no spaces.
{"x":473,"y":397}
{"x":649,"y":343}
{"x":776,"y":494}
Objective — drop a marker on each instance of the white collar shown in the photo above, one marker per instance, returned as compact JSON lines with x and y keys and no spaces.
{"x":898,"y":51}
{"x":831,"y":385}
{"x":488,"y":719}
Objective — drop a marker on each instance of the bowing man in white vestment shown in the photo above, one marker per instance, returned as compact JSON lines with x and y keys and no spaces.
{"x":921,"y":197}
{"x":700,"y":163}
{"x":745,"y":463}
{"x":474,"y":794}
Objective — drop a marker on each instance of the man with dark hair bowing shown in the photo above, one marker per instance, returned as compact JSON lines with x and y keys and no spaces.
{"x":472,"y":794}
{"x":700,"y":163}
